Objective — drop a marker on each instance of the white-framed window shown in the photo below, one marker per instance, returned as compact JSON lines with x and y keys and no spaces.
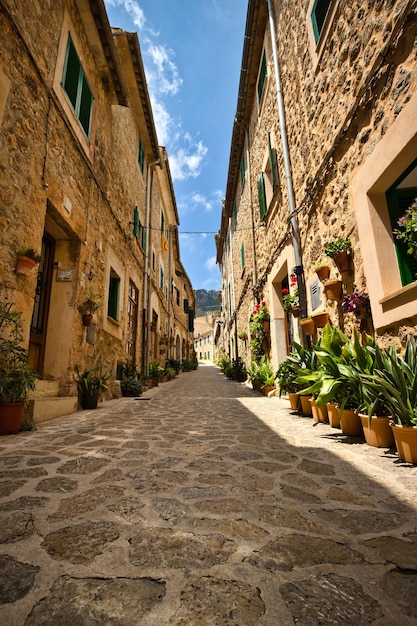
{"x":76,"y":88}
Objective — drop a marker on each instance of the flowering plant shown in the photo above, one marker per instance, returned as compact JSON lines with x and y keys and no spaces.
{"x":408,"y":228}
{"x":355,"y":302}
{"x":260,"y":313}
{"x":289,"y":299}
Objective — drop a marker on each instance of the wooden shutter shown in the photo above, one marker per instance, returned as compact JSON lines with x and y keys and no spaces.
{"x":113,"y":305}
{"x":262,"y":196}
{"x":136,"y":222}
{"x":272,"y":162}
{"x":398,"y":202}
{"x":242,"y":255}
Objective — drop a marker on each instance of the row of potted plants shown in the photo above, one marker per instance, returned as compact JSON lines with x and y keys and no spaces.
{"x":371,"y":387}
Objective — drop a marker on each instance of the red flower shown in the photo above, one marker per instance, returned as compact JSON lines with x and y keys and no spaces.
{"x":285,"y":291}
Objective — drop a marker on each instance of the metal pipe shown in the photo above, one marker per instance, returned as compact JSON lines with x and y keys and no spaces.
{"x":287,"y":165}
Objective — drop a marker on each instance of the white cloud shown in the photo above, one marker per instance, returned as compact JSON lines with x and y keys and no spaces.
{"x":210,"y":264}
{"x":132,"y":8}
{"x":187,"y":161}
{"x":163,"y":77}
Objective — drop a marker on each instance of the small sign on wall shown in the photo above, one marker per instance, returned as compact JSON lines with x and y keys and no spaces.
{"x":64,"y":276}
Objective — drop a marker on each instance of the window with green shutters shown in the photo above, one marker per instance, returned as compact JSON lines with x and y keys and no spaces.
{"x":398,"y":201}
{"x":77,"y":89}
{"x":262,"y":77}
{"x":161,"y":278}
{"x":141,"y":155}
{"x":273,"y":162}
{"x":136,"y":223}
{"x":243,"y":170}
{"x":318,"y":16}
{"x":113,"y":302}
{"x":242,"y":255}
{"x":235,"y":213}
{"x":262,"y":196}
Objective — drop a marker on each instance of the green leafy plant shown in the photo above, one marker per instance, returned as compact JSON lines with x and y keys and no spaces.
{"x":259,"y":334}
{"x":155,"y":370}
{"x":29,"y":252}
{"x":289,"y":300}
{"x":90,"y":305}
{"x":261,"y":374}
{"x":343,"y":244}
{"x":286,"y":375}
{"x":131,"y":387}
{"x":93,"y":381}
{"x":16,"y":376}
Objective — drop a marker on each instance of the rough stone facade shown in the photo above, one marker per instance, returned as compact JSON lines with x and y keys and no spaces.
{"x":91,"y":199}
{"x":350,"y":123}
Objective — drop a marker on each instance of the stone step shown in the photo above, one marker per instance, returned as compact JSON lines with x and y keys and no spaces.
{"x":48,"y":408}
{"x":46,"y":389}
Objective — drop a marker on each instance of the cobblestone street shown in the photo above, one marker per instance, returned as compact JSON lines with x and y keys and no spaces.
{"x":203,"y":503}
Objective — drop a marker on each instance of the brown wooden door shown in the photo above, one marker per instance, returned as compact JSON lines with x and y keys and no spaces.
{"x":41,"y":305}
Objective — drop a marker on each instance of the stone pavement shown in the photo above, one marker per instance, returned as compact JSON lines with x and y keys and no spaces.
{"x":203,"y":503}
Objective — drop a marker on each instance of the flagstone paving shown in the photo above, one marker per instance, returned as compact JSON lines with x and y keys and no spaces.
{"x":203,"y":503}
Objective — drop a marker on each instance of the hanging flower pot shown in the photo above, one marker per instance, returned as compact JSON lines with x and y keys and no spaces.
{"x":333,"y":289}
{"x":323,"y":272}
{"x":320,"y":319}
{"x":87,"y":319}
{"x":296,"y":311}
{"x":308,"y":325}
{"x":24,"y":265}
{"x":343,"y":261}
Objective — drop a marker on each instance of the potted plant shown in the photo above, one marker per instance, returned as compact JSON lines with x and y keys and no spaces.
{"x":155,"y":373}
{"x":407,"y":231}
{"x":131,"y":387}
{"x":357,"y":303}
{"x":340,"y":251}
{"x":243,"y":335}
{"x":308,"y":326}
{"x":88,"y":308}
{"x":322,"y":269}
{"x":286,"y":375}
{"x":90,"y":384}
{"x":394,"y":380}
{"x":333,"y":289}
{"x":16,"y":377}
{"x":320,"y":318}
{"x":27,"y":259}
{"x":290,"y":301}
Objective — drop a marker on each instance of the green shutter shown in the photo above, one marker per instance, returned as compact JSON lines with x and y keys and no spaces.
{"x":141,"y":155}
{"x":398,"y":202}
{"x":242,"y":255}
{"x":144,"y":239}
{"x":262,"y":77}
{"x":75,"y":85}
{"x":318,"y":16}
{"x":136,"y":222}
{"x":71,"y":73}
{"x":243,"y":169}
{"x":235,"y":212}
{"x":272,"y":161}
{"x":261,"y":196}
{"x":113,"y":305}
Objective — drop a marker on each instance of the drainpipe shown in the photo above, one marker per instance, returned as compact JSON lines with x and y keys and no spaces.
{"x":233,"y":281}
{"x":147,"y":282}
{"x":287,"y":164}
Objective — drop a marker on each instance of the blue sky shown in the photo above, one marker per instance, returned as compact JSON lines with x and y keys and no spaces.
{"x":192,"y":51}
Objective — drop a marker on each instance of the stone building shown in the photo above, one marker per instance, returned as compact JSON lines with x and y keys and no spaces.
{"x":324,"y":146}
{"x":84,"y":182}
{"x":204,"y":346}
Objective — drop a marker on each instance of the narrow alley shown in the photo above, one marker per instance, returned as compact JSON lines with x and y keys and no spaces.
{"x":203,"y":503}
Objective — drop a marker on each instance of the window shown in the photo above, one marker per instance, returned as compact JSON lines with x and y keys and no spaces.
{"x":114,"y":288}
{"x":398,"y":201}
{"x":318,"y":16}
{"x":153,"y":260}
{"x":262,"y":196}
{"x":262,"y":77}
{"x":141,"y":155}
{"x":136,"y":223}
{"x":235,"y":213}
{"x":77,"y":88}
{"x":242,"y":255}
{"x":161,"y":277}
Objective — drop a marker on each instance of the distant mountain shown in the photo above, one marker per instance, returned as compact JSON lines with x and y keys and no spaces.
{"x":206,"y":302}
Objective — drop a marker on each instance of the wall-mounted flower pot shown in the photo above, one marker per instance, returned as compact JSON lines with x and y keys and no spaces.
{"x":323,"y":272}
{"x":320,"y":319}
{"x":265,"y":326}
{"x":308,"y":325}
{"x":24,"y":265}
{"x":333,"y":289}
{"x":87,"y":319}
{"x":296,"y":311}
{"x":343,"y":261}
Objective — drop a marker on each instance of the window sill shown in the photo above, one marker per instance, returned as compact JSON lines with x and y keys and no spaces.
{"x":113,"y":321}
{"x":401,"y":296}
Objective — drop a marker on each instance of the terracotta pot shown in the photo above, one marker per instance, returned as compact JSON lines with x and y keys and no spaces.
{"x":406,"y":442}
{"x":11,"y":417}
{"x":350,"y":423}
{"x":333,"y":289}
{"x":333,"y":414}
{"x":308,"y":326}
{"x":343,"y":261}
{"x":266,"y":389}
{"x":380,"y":434}
{"x":323,"y":272}
{"x":294,"y":399}
{"x":305,"y":406}
{"x":320,"y":319}
{"x":296,"y":311}
{"x":319,"y":412}
{"x":87,"y":319}
{"x":265,"y":326}
{"x":24,"y":265}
